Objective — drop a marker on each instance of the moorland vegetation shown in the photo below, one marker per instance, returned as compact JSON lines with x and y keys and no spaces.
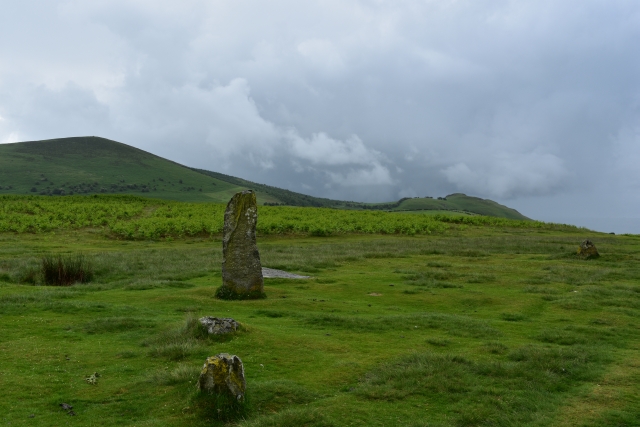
{"x":407,"y":320}
{"x":134,"y":217}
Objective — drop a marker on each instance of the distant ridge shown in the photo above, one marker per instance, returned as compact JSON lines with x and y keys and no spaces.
{"x":91,"y":165}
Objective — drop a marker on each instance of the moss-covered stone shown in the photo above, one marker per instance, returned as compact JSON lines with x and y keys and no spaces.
{"x":241,"y":267}
{"x":223,"y":374}
{"x":588,"y":250}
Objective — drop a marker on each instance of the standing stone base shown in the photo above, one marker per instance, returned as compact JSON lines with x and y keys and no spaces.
{"x":223,"y":374}
{"x":225,"y":292}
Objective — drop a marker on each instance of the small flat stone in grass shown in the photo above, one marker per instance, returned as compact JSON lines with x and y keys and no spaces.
{"x":219,"y":326}
{"x":270,"y":273}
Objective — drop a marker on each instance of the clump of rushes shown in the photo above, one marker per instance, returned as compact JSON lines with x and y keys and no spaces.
{"x":66,"y":270}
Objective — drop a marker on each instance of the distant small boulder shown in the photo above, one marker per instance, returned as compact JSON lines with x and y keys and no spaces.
{"x":588,"y":250}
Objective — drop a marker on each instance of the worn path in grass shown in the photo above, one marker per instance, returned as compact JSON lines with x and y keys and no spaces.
{"x":474,"y":327}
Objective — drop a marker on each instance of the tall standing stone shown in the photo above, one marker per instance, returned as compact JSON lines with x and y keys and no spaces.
{"x":241,"y":268}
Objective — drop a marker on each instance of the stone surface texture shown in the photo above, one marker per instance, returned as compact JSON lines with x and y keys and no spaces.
{"x":241,"y":268}
{"x":280,"y":274}
{"x":219,"y":326}
{"x":588,"y":250}
{"x":223,"y":373}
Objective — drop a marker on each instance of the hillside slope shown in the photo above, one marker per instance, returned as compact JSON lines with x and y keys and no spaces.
{"x":460,"y":202}
{"x":91,"y":165}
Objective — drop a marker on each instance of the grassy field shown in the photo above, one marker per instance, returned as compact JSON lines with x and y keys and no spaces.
{"x":471,"y":325}
{"x":133,"y":217}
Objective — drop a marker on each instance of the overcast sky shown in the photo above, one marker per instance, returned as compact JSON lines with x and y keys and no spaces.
{"x":532,"y":103}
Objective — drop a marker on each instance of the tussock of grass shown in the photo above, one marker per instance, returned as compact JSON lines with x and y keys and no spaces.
{"x":452,"y":324}
{"x":49,"y":300}
{"x":437,"y":284}
{"x":439,"y":342}
{"x":34,"y":297}
{"x":511,"y":392}
{"x":429,"y":279}
{"x":127,"y":354}
{"x":561,"y":337}
{"x":512,"y":317}
{"x":271,"y":313}
{"x":494,"y":347}
{"x":326,"y":281}
{"x":271,"y":396}
{"x":180,"y":343}
{"x":470,"y":253}
{"x":115,"y":324}
{"x":438,"y":264}
{"x":301,"y":417}
{"x":481,"y":278}
{"x":541,"y":290}
{"x":181,"y":374}
{"x":145,"y":284}
{"x":175,"y":350}
{"x":379,"y":255}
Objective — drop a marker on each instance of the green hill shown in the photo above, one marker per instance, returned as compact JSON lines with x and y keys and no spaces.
{"x":459,"y":202}
{"x":91,"y":165}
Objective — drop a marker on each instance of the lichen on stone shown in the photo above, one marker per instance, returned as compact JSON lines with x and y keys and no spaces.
{"x":223,"y":374}
{"x":587,"y":250}
{"x":93,"y":378}
{"x":241,"y":268}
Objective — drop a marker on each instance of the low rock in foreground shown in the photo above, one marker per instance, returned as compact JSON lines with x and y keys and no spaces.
{"x":223,"y":374}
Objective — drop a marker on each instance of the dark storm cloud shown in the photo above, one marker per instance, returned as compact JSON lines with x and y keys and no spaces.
{"x":528,"y":102}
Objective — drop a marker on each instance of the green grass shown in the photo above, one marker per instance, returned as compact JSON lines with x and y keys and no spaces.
{"x":131,"y":217}
{"x":523,"y":333}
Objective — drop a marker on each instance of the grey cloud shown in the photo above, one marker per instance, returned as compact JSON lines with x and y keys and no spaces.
{"x":357,"y":99}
